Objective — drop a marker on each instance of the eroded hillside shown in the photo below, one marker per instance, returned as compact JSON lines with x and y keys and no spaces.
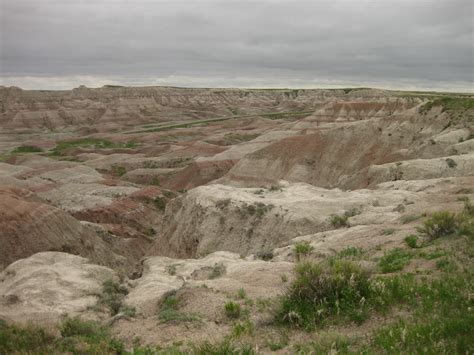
{"x":168,"y":217}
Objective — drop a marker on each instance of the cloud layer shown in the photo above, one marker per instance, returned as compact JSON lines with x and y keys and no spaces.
{"x":384,"y":43}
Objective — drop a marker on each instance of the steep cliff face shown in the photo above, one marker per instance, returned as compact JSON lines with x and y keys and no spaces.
{"x":341,"y":155}
{"x":28,"y":227}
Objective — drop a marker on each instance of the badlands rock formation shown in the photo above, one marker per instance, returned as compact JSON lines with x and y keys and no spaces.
{"x":202,"y":194}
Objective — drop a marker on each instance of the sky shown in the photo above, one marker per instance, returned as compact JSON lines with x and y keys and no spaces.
{"x":393,"y":44}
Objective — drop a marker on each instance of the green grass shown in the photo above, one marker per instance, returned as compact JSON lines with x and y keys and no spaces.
{"x":169,"y":310}
{"x":76,"y":337}
{"x":350,"y":253}
{"x":242,"y":328}
{"x":27,"y":149}
{"x":232,"y":310}
{"x":394,"y":260}
{"x":324,"y":291}
{"x":442,"y":322}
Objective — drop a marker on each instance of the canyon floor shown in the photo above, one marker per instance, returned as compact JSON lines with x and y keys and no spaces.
{"x":162,"y":220}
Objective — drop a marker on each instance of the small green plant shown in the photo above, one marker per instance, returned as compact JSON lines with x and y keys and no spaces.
{"x":339,"y":221}
{"x":302,"y":249}
{"x":394,"y":260}
{"x":27,"y":149}
{"x":440,"y":224}
{"x":388,"y":231}
{"x":411,"y":240}
{"x":284,"y":278}
{"x":451,"y":163}
{"x":171,"y":269}
{"x":232,"y":310}
{"x":241,"y":293}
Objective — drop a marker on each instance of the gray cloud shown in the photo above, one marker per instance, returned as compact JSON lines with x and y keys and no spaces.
{"x":392,"y":43}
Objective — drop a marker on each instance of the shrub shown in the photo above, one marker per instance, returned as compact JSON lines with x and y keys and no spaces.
{"x":451,"y":163}
{"x":265,"y":255}
{"x":411,"y":240}
{"x":232,"y":310}
{"x":302,"y":249}
{"x":394,"y":260}
{"x":440,"y":224}
{"x":338,"y":221}
{"x":320,"y":292}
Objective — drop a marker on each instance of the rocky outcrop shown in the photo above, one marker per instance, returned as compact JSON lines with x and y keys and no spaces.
{"x":244,"y":220}
{"x":46,"y":286}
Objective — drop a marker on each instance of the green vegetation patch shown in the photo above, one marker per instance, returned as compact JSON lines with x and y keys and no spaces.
{"x":169,"y":310}
{"x":394,"y":260}
{"x":236,"y":138}
{"x":324,"y":291}
{"x":302,"y":249}
{"x":27,"y":149}
{"x":76,"y":337}
{"x":63,"y":147}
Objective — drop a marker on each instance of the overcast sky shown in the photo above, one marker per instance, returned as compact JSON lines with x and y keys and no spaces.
{"x":408,"y":44}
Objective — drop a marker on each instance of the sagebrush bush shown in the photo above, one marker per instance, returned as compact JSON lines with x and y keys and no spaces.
{"x":440,"y":224}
